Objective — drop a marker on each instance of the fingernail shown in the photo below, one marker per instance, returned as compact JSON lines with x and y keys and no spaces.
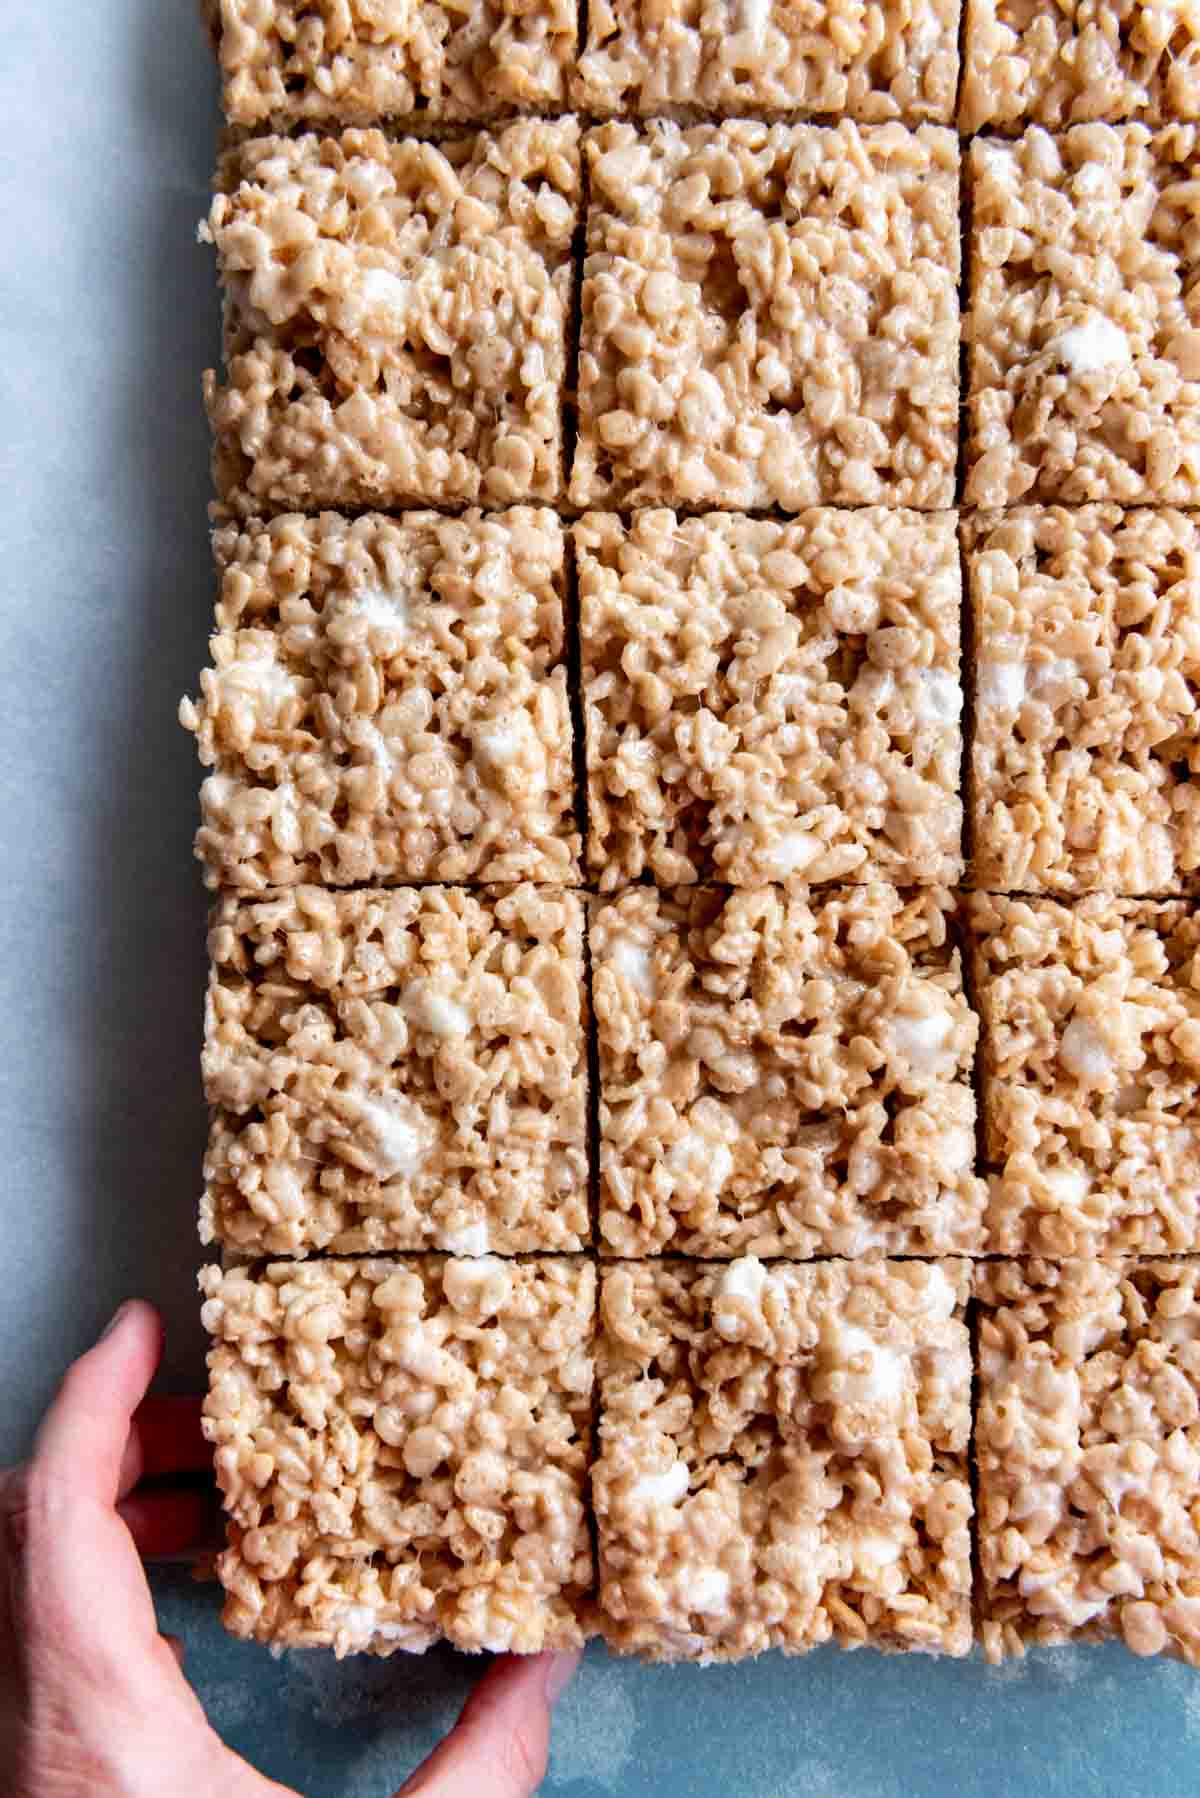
{"x":115,"y":1319}
{"x":560,"y":1671}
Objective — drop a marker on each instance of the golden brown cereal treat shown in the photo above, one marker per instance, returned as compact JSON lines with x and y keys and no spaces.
{"x":402,"y":1449}
{"x":396,"y":1070}
{"x":1078,"y":60}
{"x":772,"y":701}
{"x":783,"y":1458}
{"x":1087,"y":1439}
{"x":1091,"y":1074}
{"x":1087,"y":663}
{"x":1084,"y":356}
{"x":387,"y":702}
{"x":784,"y":1075}
{"x":395,"y":320}
{"x":894,"y":60}
{"x":770,"y":316}
{"x":349,"y":62}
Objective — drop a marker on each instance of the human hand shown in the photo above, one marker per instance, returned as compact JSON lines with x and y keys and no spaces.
{"x":93,"y":1702}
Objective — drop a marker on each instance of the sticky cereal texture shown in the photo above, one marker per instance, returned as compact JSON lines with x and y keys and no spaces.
{"x":395,"y":317}
{"x":1090,"y":1074}
{"x":396,"y":1070}
{"x":771,"y":702}
{"x":895,"y":60}
{"x":351,"y":62}
{"x":1084,"y":357}
{"x":782,"y":1458}
{"x":784,"y":1075}
{"x":402,"y":1451}
{"x":1087,"y":664}
{"x":387,"y":701}
{"x":1080,"y":60}
{"x":1087,"y":1439}
{"x":770,"y":316}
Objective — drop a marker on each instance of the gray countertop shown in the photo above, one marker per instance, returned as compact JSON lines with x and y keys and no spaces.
{"x":110,"y":309}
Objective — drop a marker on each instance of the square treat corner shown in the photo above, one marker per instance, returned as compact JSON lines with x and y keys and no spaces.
{"x":1078,"y":61}
{"x":770,"y":316}
{"x":402,"y":1450}
{"x":768,"y":701}
{"x":1087,"y":1440}
{"x":782,"y":1458}
{"x":353,"y":62}
{"x":397,"y":1070}
{"x":388,"y":702}
{"x":784,"y":1075}
{"x":897,"y":60}
{"x":1084,"y":356}
{"x":1090,"y":1074}
{"x":1087,"y":742}
{"x":395,"y":318}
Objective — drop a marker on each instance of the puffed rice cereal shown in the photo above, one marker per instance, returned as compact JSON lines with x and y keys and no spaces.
{"x":351,"y":62}
{"x":770,"y":316}
{"x":891,"y":59}
{"x":395,"y":318}
{"x":1090,"y":1074}
{"x":1087,"y":731}
{"x":387,"y":702}
{"x":782,"y":1458}
{"x":770,"y":701}
{"x":1078,"y":60}
{"x":1088,"y":1447}
{"x":396,"y":1070}
{"x":783,"y":1075}
{"x":402,"y":1449}
{"x":1084,"y":352}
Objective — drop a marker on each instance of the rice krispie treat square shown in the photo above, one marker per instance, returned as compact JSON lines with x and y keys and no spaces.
{"x":1084,"y":345}
{"x":1087,"y":1441}
{"x":395,"y":317}
{"x":1086,"y":744}
{"x":784,"y":1075}
{"x":894,"y":60}
{"x":1079,"y":60}
{"x":387,"y":702}
{"x":1090,"y":1074}
{"x":768,"y":701}
{"x":350,"y":62}
{"x":770,"y":316}
{"x":782,"y":1458}
{"x":396,"y":1070}
{"x":402,"y":1449}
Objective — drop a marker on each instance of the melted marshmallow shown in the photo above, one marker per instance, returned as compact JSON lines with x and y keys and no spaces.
{"x":792,"y":853}
{"x":469,"y":1239}
{"x":1083,"y":1051}
{"x":434,"y":1011}
{"x":883,"y":1384}
{"x":938,"y":698}
{"x":661,"y":1488}
{"x":395,"y":1139}
{"x":1095,"y":344}
{"x":632,"y":960}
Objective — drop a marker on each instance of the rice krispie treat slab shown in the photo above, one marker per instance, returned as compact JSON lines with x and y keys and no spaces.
{"x":1086,"y":744}
{"x":387,"y":702}
{"x":894,"y":60}
{"x":396,"y":1070}
{"x":351,"y":62}
{"x":782,"y":1458}
{"x":402,"y":1449}
{"x":395,"y":318}
{"x":770,"y":316}
{"x":1087,"y":1440}
{"x":784,"y":1075}
{"x":1079,"y":60}
{"x":769,"y":701}
{"x":1084,"y":344}
{"x":1090,"y":1074}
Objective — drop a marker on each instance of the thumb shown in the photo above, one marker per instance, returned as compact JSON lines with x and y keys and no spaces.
{"x":500,"y":1745}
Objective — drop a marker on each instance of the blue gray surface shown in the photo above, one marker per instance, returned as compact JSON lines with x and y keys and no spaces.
{"x":109,"y":312}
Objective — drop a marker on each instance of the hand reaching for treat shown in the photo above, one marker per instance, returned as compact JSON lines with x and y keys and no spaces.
{"x":93,"y":1701}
